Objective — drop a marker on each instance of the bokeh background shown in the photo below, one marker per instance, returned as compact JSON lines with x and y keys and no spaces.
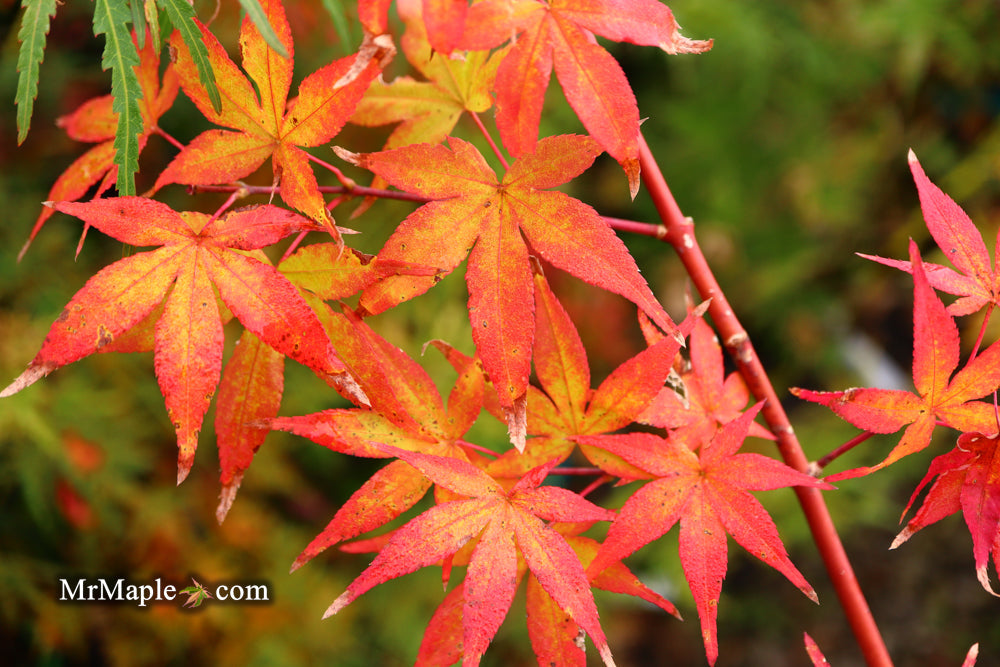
{"x":787,"y":144}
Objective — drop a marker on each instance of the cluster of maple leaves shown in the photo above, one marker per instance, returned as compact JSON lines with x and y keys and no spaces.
{"x":493,"y":513}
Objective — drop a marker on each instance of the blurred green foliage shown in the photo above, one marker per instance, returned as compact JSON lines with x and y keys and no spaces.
{"x":786,"y":143}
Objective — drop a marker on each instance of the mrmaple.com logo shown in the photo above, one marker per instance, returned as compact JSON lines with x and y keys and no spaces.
{"x":106,"y":589}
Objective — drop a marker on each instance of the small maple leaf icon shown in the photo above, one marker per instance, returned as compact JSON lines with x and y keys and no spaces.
{"x":196,"y":594}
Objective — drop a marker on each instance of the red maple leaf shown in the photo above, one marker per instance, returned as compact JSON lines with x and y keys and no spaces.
{"x":264,"y":124}
{"x":509,"y":525}
{"x":709,"y":398}
{"x":968,"y":479}
{"x":198,"y":256}
{"x":707,"y":492}
{"x":977,"y":284}
{"x":505,"y":219}
{"x":939,"y":395}
{"x":560,"y":34}
{"x":95,"y":122}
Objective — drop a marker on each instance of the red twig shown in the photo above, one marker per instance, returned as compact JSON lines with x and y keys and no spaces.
{"x":680,"y":234}
{"x":840,"y":451}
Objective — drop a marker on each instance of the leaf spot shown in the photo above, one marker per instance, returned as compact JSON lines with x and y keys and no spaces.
{"x":103,"y":337}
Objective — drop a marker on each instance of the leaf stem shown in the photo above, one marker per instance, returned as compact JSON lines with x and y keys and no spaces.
{"x":681,"y":235}
{"x":822,"y":463}
{"x":982,"y":332}
{"x":603,"y":479}
{"x":489,"y":139}
{"x":341,"y":176}
{"x":169,"y":137}
{"x":225,"y":206}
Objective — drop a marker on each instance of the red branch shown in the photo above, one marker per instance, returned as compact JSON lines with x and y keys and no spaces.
{"x":680,"y":234}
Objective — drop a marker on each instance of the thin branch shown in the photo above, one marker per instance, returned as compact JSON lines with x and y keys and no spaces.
{"x":681,"y":235}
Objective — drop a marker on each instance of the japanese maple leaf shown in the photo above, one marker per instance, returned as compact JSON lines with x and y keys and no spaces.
{"x":968,"y":479}
{"x":444,"y":19}
{"x":555,"y":638}
{"x":707,"y":492}
{"x":426,"y":111}
{"x":505,"y":220}
{"x":976,"y":282}
{"x":508,"y":524}
{"x":253,"y":379}
{"x":710,"y":397}
{"x":406,"y":411}
{"x":95,"y":122}
{"x":566,"y":407}
{"x":198,"y":257}
{"x":560,"y":34}
{"x":255,"y":109}
{"x":196,"y":594}
{"x":938,"y":397}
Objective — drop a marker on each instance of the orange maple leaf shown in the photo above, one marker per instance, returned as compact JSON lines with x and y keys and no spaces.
{"x":565,"y":406}
{"x":560,"y":34}
{"x":406,"y":411}
{"x":505,"y":219}
{"x":253,"y":380}
{"x":508,"y":524}
{"x":939,"y":395}
{"x":707,"y":492}
{"x":257,"y":112}
{"x":197,"y":254}
{"x":95,"y":122}
{"x":555,"y":637}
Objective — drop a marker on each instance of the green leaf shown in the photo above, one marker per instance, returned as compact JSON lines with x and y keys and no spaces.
{"x":152,"y":15}
{"x":34,"y":29}
{"x":138,"y":22}
{"x":182,"y":16}
{"x":111,"y":18}
{"x":259,"y":18}
{"x":342,"y":25}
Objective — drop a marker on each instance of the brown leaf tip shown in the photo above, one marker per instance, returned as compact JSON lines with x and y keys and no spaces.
{"x":348,"y":156}
{"x":227,"y":496}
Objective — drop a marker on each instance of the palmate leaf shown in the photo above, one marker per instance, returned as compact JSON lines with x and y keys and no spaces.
{"x":264,"y":123}
{"x":968,"y":479}
{"x":32,"y":35}
{"x":708,"y":494}
{"x":257,"y":16}
{"x":564,"y":406}
{"x":407,"y":411}
{"x":182,"y":17}
{"x":976,"y":282}
{"x":509,"y":526}
{"x":938,"y":396}
{"x":111,"y":18}
{"x":495,"y":221}
{"x":559,"y":35}
{"x":710,"y":398}
{"x":197,"y":257}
